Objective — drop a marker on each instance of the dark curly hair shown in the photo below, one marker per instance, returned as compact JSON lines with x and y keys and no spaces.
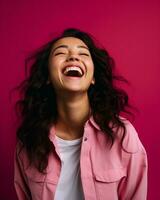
{"x":37,"y":106}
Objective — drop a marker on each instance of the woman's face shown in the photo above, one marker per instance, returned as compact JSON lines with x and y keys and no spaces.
{"x":70,"y":66}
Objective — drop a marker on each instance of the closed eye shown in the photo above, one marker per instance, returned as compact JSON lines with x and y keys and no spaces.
{"x":84,"y":54}
{"x":58,"y":53}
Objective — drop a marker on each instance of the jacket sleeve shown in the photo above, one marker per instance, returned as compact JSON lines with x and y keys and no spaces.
{"x":134,"y":185}
{"x":20,"y":180}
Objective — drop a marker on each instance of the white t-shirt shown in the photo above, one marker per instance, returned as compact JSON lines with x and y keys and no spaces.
{"x":69,"y":185}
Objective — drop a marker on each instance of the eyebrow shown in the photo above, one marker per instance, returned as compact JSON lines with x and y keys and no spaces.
{"x":66,"y":46}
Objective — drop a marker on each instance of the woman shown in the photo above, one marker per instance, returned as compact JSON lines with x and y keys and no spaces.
{"x":72,"y":142}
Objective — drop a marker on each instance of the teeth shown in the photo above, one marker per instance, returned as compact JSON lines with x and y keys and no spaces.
{"x":74,"y":68}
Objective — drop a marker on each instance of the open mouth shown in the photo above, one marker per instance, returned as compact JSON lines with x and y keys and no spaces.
{"x":73,"y":71}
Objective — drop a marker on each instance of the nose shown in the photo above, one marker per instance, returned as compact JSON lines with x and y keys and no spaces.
{"x":72,"y":58}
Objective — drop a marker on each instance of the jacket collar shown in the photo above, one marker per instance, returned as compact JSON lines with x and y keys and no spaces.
{"x":91,"y":119}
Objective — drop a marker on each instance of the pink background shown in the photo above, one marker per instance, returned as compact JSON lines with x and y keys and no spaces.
{"x":130,"y":30}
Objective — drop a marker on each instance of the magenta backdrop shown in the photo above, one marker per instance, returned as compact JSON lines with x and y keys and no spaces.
{"x":130,"y":30}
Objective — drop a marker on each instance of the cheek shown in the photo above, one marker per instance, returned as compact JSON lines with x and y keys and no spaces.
{"x":53,"y":66}
{"x":91,"y":64}
{"x":91,"y":68}
{"x":53,"y":73}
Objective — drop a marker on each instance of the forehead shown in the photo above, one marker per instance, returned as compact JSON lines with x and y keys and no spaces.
{"x":69,"y":41}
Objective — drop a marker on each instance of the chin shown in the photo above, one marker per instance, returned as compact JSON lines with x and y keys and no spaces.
{"x":76,"y":89}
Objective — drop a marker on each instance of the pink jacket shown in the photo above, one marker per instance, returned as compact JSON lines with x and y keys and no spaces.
{"x":117,"y":173}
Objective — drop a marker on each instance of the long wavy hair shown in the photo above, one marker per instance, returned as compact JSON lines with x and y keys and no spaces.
{"x":37,"y":105}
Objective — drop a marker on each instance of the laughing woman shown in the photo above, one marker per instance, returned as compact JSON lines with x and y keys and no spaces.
{"x":72,"y":143}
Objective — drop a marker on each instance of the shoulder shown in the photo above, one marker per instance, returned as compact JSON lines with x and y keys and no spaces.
{"x":131,"y":142}
{"x":21,"y":154}
{"x":19,"y":148}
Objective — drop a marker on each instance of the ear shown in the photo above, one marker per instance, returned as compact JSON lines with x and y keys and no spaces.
{"x":93,"y":81}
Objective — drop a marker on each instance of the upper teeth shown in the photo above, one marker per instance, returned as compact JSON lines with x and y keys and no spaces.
{"x":72,"y":68}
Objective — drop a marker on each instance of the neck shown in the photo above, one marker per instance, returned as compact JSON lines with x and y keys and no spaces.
{"x":73,"y":112}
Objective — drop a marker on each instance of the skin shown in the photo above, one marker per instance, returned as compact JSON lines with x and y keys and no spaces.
{"x":71,"y":92}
